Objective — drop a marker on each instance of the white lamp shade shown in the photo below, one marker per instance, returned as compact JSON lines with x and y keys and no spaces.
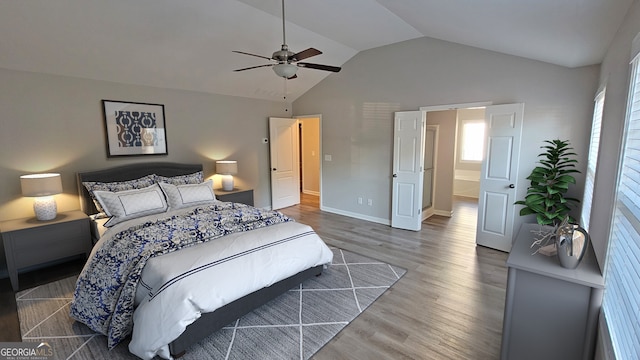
{"x":40,"y":184}
{"x":285,"y":70}
{"x":42,"y":187}
{"x":227,"y":167}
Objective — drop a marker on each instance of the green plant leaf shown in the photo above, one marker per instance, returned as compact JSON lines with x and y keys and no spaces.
{"x":526,"y":211}
{"x":543,"y":220}
{"x":549,"y":181}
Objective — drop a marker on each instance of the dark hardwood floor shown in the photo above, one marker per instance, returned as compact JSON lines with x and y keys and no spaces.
{"x":449,"y":305}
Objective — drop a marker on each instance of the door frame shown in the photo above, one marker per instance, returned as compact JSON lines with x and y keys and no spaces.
{"x":428,"y":212}
{"x":456,"y":106}
{"x":320,"y":153}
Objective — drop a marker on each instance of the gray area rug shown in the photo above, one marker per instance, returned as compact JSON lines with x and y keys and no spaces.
{"x":293,"y":326}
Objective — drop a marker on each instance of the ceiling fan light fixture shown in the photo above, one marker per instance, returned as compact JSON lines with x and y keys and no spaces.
{"x":286,"y":62}
{"x":285,"y":70}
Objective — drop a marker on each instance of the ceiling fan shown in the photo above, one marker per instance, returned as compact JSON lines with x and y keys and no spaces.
{"x":287,"y":62}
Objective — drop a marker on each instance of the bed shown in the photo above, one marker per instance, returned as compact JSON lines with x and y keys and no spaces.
{"x":196,"y":281}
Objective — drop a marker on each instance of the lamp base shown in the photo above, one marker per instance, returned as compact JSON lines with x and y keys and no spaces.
{"x":227,"y":182}
{"x":45,"y":208}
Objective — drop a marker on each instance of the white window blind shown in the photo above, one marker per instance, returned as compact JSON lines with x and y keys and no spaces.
{"x":622,"y":274}
{"x":592,"y":161}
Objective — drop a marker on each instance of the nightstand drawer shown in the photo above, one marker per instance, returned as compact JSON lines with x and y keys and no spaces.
{"x":49,"y":243}
{"x":29,"y":242}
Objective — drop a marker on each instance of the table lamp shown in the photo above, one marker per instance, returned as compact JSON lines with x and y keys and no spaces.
{"x":227,"y":168}
{"x":42,"y":187}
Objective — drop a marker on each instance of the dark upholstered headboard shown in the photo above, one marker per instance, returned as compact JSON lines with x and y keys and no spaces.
{"x":129,"y":172}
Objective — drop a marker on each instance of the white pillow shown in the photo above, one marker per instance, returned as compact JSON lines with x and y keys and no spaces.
{"x":180,"y":196}
{"x":130,"y":204}
{"x":140,"y":183}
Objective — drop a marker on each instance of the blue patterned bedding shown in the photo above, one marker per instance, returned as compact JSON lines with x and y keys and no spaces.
{"x":106,"y":288}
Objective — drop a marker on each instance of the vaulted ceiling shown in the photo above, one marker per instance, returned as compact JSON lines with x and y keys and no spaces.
{"x":188,"y":44}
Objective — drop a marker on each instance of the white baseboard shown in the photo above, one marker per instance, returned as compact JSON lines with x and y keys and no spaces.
{"x":443,"y":213}
{"x":311,"y":192}
{"x":356,"y":215}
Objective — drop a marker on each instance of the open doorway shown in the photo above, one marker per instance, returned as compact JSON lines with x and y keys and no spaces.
{"x":456,"y":170}
{"x":453,"y":138}
{"x":498,"y":166}
{"x":457,"y":155}
{"x":310,"y":160}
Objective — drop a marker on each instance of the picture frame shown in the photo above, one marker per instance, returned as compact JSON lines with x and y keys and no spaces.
{"x":134,"y":129}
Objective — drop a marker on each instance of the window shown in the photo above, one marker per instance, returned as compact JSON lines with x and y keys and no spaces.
{"x":592,"y":161}
{"x":472,"y":141}
{"x":621,"y":303}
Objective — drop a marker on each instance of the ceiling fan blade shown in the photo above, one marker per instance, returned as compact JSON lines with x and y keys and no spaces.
{"x":253,"y":67}
{"x":304,"y":54}
{"x":319,"y":67}
{"x":246,"y":53}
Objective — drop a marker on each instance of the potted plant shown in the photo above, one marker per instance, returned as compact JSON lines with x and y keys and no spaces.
{"x":550,"y":182}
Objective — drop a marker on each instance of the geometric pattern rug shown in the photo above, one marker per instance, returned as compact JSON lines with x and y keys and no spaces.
{"x":294,"y":325}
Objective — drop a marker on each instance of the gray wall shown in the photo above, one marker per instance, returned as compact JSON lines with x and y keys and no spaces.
{"x":357,"y":108}
{"x":55,"y":123}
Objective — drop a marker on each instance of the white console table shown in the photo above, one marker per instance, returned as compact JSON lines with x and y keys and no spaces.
{"x":550,"y":312}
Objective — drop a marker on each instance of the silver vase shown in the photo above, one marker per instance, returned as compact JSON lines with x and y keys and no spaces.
{"x":571,"y":243}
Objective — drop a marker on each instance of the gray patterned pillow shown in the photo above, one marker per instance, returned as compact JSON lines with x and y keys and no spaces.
{"x":131,"y":204}
{"x":93,"y":186}
{"x":179,"y":196}
{"x":195,"y":178}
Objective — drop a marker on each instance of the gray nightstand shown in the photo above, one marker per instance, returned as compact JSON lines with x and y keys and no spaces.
{"x":235,"y":195}
{"x":29,"y":242}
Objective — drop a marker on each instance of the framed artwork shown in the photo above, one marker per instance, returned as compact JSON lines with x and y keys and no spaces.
{"x":134,"y":129}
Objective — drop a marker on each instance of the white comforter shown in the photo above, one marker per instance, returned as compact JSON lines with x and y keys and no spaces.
{"x":177,"y":287}
{"x":210,"y":275}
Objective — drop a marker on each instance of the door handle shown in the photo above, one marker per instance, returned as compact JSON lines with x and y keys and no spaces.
{"x":395,"y":175}
{"x":274,"y":169}
{"x":512,"y":186}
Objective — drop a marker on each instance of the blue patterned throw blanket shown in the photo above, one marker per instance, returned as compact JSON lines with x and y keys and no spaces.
{"x":106,"y":288}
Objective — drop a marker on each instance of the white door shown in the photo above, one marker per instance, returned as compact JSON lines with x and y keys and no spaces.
{"x":498,"y":179}
{"x":285,"y":174}
{"x":408,"y":158}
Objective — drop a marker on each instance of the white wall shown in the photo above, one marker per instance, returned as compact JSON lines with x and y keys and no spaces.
{"x":357,"y":108}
